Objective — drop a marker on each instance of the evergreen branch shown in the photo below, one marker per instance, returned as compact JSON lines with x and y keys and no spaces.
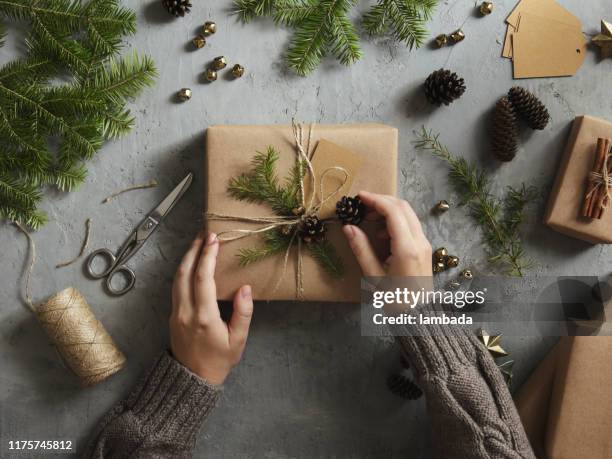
{"x":346,"y":41}
{"x":29,"y":217}
{"x":2,"y":33}
{"x":246,"y":10}
{"x":117,"y":122}
{"x":292,"y":12}
{"x":273,"y":243}
{"x":26,"y":71}
{"x":18,"y":191}
{"x":326,"y":256}
{"x":501,"y":232}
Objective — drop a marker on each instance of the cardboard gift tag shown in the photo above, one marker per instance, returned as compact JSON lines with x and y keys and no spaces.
{"x":326,"y":160}
{"x":544,"y":48}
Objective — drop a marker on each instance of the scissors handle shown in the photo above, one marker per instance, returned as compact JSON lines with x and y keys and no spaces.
{"x":110,"y":271}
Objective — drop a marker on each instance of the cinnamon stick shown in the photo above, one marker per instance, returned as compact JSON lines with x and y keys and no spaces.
{"x":600,"y":152}
{"x":602,"y":195}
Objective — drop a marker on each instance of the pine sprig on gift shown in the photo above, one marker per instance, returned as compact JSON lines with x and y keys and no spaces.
{"x":326,"y":256}
{"x":500,"y":220}
{"x":404,"y":20}
{"x":274,"y":242}
{"x":323,"y":26}
{"x":71,"y":87}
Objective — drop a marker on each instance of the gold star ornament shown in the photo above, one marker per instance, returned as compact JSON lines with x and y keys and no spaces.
{"x":604,"y":39}
{"x":493,"y":344}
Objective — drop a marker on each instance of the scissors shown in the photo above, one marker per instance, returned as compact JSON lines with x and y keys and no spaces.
{"x":116,"y":263}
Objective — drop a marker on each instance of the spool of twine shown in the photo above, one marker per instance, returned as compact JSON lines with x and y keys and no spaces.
{"x":81,"y":340}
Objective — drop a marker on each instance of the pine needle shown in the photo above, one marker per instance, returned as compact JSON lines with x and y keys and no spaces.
{"x":83,"y":246}
{"x":500,"y":221}
{"x":150,"y":184}
{"x":325,"y":254}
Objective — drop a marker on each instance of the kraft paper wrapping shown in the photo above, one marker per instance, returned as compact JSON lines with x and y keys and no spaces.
{"x":563,"y":213}
{"x":229,"y":151}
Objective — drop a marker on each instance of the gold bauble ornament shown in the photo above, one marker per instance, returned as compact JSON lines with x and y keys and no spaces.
{"x":451,"y":261}
{"x":604,"y":39}
{"x":440,"y":253}
{"x":210,"y":75}
{"x":209,"y":28}
{"x":492,"y":343}
{"x":439,"y":266}
{"x":199,"y":41}
{"x":219,"y":63}
{"x":486,"y":8}
{"x":237,"y":70}
{"x":442,"y":206}
{"x":441,"y":40}
{"x":184,"y":94}
{"x":457,"y":35}
{"x":466,"y":274}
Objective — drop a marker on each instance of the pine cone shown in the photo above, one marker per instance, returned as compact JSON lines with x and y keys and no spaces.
{"x":404,"y":387}
{"x":529,"y":107}
{"x":350,"y":211}
{"x":313,"y":229}
{"x":177,"y":7}
{"x":504,"y":130}
{"x":443,"y":87}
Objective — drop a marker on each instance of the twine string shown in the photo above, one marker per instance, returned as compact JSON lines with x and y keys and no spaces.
{"x":602,"y":179}
{"x":310,"y":206}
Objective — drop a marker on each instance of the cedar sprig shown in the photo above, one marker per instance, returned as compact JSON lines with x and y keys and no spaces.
{"x":403,"y":20}
{"x":262,"y":185}
{"x":499,"y":219}
{"x":71,"y":87}
{"x":323,"y":27}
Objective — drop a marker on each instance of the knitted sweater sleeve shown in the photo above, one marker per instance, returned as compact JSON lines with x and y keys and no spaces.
{"x":471,"y":410}
{"x":159,"y":419}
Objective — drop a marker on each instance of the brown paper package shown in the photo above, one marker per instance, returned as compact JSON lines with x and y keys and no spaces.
{"x":580,"y":420}
{"x":229,"y":151}
{"x":563,"y":213}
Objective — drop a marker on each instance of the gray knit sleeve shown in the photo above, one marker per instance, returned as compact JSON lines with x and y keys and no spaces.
{"x":160,"y":418}
{"x":471,"y":410}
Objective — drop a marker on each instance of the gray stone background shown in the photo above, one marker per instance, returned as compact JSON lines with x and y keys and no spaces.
{"x":309,"y":385}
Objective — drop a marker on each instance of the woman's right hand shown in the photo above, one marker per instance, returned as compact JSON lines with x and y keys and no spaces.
{"x":410,"y":251}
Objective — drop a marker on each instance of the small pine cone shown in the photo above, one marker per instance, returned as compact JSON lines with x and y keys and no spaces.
{"x":404,"y":387}
{"x":350,"y":211}
{"x":504,"y":131}
{"x":177,"y":7}
{"x":313,"y":229}
{"x":529,"y":107}
{"x":443,"y":87}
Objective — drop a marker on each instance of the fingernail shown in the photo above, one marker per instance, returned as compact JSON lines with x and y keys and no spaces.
{"x":212,"y":238}
{"x":246,"y":292}
{"x":349,"y":231}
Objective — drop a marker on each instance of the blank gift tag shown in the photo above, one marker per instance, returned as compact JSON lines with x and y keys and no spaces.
{"x":546,"y":48}
{"x":326,"y":157}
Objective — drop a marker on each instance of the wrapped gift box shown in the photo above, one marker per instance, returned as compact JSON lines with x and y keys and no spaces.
{"x":564,"y":205}
{"x":229,"y":151}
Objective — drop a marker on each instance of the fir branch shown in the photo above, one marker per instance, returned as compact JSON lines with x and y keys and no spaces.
{"x":292,"y":12}
{"x":500,"y":221}
{"x":246,"y":10}
{"x":273,"y":243}
{"x":326,"y":256}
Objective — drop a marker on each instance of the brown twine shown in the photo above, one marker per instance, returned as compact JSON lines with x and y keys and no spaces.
{"x":150,"y":184}
{"x":602,"y":179}
{"x":303,"y":156}
{"x":81,"y":341}
{"x":83,"y":246}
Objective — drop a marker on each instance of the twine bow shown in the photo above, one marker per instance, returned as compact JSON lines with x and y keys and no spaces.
{"x":310,"y":205}
{"x":602,"y":179}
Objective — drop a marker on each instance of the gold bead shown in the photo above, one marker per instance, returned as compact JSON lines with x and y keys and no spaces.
{"x":441,"y":40}
{"x":438,"y":267}
{"x":237,"y":70}
{"x":442,"y":206}
{"x":457,"y":35}
{"x":184,"y":94}
{"x":440,"y":254}
{"x":451,"y":261}
{"x":466,"y":274}
{"x":209,"y":28}
{"x":211,"y":75}
{"x":219,"y":63}
{"x":199,"y":41}
{"x":486,"y":8}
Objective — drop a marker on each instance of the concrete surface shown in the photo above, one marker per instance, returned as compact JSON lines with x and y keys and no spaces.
{"x":309,"y":384}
